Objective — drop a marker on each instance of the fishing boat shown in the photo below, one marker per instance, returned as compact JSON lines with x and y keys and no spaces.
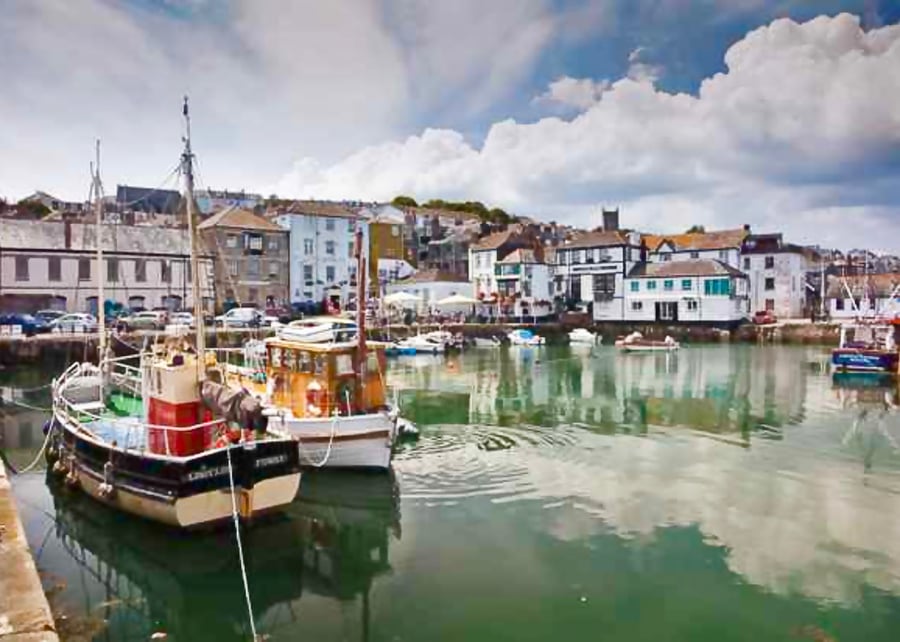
{"x":423,"y":344}
{"x":584,"y":336}
{"x":489,"y":342}
{"x":635,"y":342}
{"x":525,"y":338}
{"x":162,"y":440}
{"x":866,"y":347}
{"x":329,"y":396}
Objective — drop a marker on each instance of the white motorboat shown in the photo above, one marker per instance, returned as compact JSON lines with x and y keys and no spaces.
{"x":319,"y":330}
{"x":525,"y":338}
{"x":490,"y":342}
{"x":635,"y":342}
{"x":423,"y":343}
{"x":584,"y":336}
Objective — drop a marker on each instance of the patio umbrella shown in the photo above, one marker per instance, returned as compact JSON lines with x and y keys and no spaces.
{"x":458,"y":299}
{"x":399,"y":298}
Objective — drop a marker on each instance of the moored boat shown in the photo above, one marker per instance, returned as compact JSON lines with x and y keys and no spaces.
{"x":635,"y":342}
{"x":488,"y":342}
{"x":584,"y":336}
{"x":319,"y":330}
{"x":525,"y":338}
{"x":866,"y":347}
{"x":422,"y":344}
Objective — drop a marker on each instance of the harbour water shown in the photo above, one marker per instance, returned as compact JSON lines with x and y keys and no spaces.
{"x":725,"y":492}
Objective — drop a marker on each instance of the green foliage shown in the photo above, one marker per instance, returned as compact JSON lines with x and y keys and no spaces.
{"x":32,"y":209}
{"x":493,"y":215}
{"x":404,"y":201}
{"x":696,"y":229}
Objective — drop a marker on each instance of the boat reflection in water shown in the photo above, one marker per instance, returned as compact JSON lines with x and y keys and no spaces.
{"x":332,"y":542}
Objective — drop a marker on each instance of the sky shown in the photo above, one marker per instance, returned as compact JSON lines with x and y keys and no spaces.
{"x":782,"y":115}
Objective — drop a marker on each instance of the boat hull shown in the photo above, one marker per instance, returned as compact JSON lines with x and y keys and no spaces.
{"x":862,"y":360}
{"x":359,"y":441}
{"x":185,"y":492}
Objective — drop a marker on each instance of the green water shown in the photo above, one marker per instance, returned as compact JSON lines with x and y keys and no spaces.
{"x":723,"y":493}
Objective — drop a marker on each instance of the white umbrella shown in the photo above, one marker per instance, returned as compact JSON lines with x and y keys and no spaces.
{"x":457,"y":299}
{"x":400,"y":298}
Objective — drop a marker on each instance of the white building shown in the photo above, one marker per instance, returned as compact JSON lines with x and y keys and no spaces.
{"x":484,"y":255}
{"x":720,"y":245}
{"x":778,"y":275}
{"x":54,"y":265}
{"x":322,"y":263}
{"x":863,"y":296}
{"x":692,"y":291}
{"x":590,"y":271}
{"x":430,"y":286}
{"x":523,"y":283}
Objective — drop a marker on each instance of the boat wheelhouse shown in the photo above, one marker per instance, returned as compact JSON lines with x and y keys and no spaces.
{"x":866,"y":347}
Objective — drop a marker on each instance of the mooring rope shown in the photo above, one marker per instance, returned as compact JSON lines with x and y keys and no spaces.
{"x":237,"y":533}
{"x":327,"y":456}
{"x":40,"y":454}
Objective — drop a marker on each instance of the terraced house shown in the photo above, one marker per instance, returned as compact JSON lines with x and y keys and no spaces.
{"x":251,"y":266}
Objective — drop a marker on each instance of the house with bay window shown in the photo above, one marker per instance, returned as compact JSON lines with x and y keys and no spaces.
{"x":523,"y":285}
{"x":692,"y":291}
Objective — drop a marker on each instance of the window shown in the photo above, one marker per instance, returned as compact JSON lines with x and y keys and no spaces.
{"x":351,"y":225}
{"x":84,"y":269}
{"x":665,"y":257}
{"x":685,"y":284}
{"x":233,"y":267}
{"x":561,"y":257}
{"x":695,"y":255}
{"x":252,"y":295}
{"x":165,"y":271}
{"x":770,"y":305}
{"x":329,"y":224}
{"x":307,"y":274}
{"x":21,"y":268}
{"x":308,"y":247}
{"x":723,"y":255}
{"x":526,"y":288}
{"x":770,"y":283}
{"x":770,"y":262}
{"x":350,"y":249}
{"x":140,"y":270}
{"x":635,"y":286}
{"x":713,"y":287}
{"x":395,"y":230}
{"x":54,"y":269}
{"x":329,"y":274}
{"x":604,"y":287}
{"x":651,"y":284}
{"x":329,"y":247}
{"x":838,"y":304}
{"x":576,"y":257}
{"x":253,"y":267}
{"x":231,"y":241}
{"x":692,"y":305}
{"x":112,"y":270}
{"x":637,"y":306}
{"x":273,"y":268}
{"x":273,"y":243}
{"x":253,"y":242}
{"x":668,"y":285}
{"x":746,"y":262}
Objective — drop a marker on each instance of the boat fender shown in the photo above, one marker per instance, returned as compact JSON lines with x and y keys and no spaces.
{"x":315,"y":399}
{"x":106,"y":490}
{"x":72,"y":475}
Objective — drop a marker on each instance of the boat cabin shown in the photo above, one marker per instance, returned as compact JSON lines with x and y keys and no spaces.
{"x":322,"y":380}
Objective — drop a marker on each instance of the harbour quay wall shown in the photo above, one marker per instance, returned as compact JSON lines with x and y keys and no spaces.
{"x":25,"y":614}
{"x":66,"y":348}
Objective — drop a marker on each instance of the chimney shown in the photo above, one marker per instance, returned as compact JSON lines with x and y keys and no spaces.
{"x":67,"y":233}
{"x":610,"y":220}
{"x":747,"y":227}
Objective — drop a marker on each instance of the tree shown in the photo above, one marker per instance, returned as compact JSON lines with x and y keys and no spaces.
{"x":32,"y":209}
{"x":404,"y":201}
{"x":696,"y":229}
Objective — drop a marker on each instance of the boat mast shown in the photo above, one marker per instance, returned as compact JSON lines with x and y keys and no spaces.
{"x":360,"y":306}
{"x":187,"y":167}
{"x":98,"y":210}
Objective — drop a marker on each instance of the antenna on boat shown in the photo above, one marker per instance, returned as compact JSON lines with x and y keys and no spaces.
{"x":97,"y":190}
{"x":187,"y":166}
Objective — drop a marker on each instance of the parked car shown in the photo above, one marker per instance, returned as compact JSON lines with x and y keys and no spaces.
{"x":182,"y":318}
{"x":49,"y":315}
{"x":75,"y":322}
{"x":764,"y":317}
{"x":147,"y":320}
{"x":27,"y":324}
{"x":280,"y":314}
{"x":240,"y":318}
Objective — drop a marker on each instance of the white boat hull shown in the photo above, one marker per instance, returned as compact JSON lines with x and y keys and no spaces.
{"x":648,"y":348}
{"x":361,"y":441}
{"x":486,"y":343}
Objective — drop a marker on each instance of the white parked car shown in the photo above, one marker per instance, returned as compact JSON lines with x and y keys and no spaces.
{"x":181,"y":318}
{"x":75,"y":322}
{"x":241,"y":318}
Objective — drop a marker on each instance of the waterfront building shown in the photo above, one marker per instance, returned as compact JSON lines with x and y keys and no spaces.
{"x":450,"y":252}
{"x":210,"y":201}
{"x":692,"y":291}
{"x":720,"y":245}
{"x":322,"y":263}
{"x":52,"y":264}
{"x":431,"y":286}
{"x":851,"y":297}
{"x":778,"y":275}
{"x":387,"y":249}
{"x":488,"y":251}
{"x":523,"y":285}
{"x":251,"y":258}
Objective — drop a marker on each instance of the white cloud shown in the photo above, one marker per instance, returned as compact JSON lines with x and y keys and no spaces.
{"x":642,"y":71}
{"x":802,"y":111}
{"x":578,"y":93}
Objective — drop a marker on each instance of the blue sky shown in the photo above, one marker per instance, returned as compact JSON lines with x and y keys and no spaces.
{"x":722,"y":112}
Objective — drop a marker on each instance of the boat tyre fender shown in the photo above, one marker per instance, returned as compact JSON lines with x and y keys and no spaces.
{"x":107,"y":489}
